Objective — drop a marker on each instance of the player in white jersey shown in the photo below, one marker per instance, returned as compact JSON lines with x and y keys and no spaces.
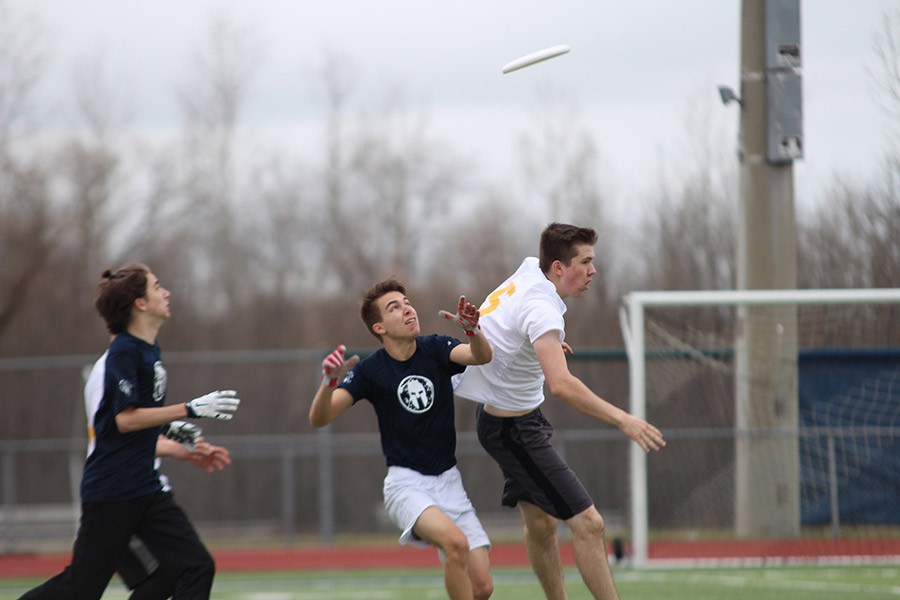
{"x":523,"y":319}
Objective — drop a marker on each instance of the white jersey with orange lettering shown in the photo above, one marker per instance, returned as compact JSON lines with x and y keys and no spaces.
{"x":521,"y":309}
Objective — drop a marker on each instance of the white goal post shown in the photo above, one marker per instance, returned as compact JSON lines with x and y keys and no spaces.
{"x":632,"y":314}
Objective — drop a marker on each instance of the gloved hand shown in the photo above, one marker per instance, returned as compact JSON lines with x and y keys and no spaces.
{"x":466,"y":316}
{"x":186,"y":434}
{"x":214,"y":405}
{"x":334,"y":367}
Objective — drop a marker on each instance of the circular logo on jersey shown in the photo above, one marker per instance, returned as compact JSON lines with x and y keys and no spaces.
{"x":416,"y":393}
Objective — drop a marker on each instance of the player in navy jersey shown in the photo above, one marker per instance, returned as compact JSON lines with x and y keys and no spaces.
{"x":121,"y":492}
{"x":408,"y":382}
{"x":523,"y":318}
{"x":139,"y":569}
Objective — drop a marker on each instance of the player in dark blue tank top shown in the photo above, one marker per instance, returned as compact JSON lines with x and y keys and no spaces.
{"x":408,"y":382}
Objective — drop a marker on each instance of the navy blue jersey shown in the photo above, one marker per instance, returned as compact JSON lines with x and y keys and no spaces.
{"x":121,"y":465}
{"x":413,"y":400}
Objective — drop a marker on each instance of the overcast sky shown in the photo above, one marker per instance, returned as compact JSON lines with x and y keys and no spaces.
{"x":635,"y":70}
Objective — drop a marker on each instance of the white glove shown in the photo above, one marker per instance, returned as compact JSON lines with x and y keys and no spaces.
{"x":334,"y":367}
{"x":214,"y":405}
{"x":186,"y":434}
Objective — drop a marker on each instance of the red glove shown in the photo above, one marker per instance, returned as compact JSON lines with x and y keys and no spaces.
{"x":466,"y":316}
{"x":334,"y":367}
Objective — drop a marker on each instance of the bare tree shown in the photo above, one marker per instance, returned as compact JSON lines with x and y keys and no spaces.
{"x":402,"y":180}
{"x":562,"y":163}
{"x":851,"y":238}
{"x":482,"y":244}
{"x":566,"y":181}
{"x":689,"y":229}
{"x":26,"y":235}
{"x":348,"y":265}
{"x":88,"y":163}
{"x":22,"y":59}
{"x":886,"y":77}
{"x":26,"y":226}
{"x":385,"y":179}
{"x":212,"y":99}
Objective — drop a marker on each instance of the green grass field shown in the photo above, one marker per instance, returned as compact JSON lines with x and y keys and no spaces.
{"x":738,"y":583}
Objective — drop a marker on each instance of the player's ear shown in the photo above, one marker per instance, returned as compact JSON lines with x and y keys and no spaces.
{"x":557,"y":268}
{"x":378,"y":328}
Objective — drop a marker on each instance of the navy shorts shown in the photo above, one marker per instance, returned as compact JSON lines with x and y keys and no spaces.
{"x":533,"y":470}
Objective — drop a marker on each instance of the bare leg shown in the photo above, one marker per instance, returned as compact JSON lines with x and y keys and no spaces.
{"x":589,"y":547}
{"x":543,"y":550}
{"x":480,"y":573}
{"x":436,"y":528}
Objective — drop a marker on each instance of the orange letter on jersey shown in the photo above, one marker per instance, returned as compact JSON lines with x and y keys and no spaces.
{"x":493,"y":301}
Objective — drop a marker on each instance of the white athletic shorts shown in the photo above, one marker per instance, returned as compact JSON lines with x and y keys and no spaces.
{"x":407,"y":493}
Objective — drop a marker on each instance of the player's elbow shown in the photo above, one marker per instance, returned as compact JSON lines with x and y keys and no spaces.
{"x":125,"y":424}
{"x":559,"y":386}
{"x":317,"y":420}
{"x":484,"y":357}
{"x":128,"y":420}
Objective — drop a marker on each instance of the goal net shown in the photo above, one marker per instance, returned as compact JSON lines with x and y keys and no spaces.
{"x":781,"y":410}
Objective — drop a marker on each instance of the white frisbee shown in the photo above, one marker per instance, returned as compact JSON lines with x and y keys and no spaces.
{"x":535,"y":57}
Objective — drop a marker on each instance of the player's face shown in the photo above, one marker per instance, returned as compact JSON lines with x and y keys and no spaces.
{"x":157,"y":298}
{"x":398,"y":317}
{"x":577,"y":275}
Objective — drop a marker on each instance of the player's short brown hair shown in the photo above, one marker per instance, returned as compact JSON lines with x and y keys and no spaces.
{"x":116,"y":292}
{"x":370,"y":312}
{"x":559,"y":242}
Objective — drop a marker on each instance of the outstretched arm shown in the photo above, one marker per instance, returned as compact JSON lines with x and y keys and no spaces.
{"x":210,"y":457}
{"x":330,"y":402}
{"x":214,"y":405}
{"x":571,"y":390}
{"x":478,"y":351}
{"x":134,"y":419}
{"x":166,"y":448}
{"x":205,"y":455}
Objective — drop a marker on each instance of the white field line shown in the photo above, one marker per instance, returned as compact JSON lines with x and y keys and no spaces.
{"x":770,"y":580}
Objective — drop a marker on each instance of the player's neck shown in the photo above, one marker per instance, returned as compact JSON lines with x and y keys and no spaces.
{"x":556,"y":283}
{"x":400,"y":348}
{"x":144,"y":329}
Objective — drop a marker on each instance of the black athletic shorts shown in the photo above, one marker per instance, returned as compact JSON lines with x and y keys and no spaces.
{"x":533,"y":470}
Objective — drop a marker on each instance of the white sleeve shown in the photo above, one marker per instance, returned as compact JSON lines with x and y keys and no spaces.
{"x":539,"y":315}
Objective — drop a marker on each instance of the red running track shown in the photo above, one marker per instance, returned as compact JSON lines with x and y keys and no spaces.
{"x":317,"y":558}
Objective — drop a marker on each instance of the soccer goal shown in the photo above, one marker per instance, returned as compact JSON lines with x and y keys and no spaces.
{"x":781,"y":409}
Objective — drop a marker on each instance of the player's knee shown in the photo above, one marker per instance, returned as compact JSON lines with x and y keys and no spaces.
{"x":480,"y":574}
{"x":456,"y":548}
{"x":589,"y":524}
{"x":482,"y":589}
{"x":540,"y":524}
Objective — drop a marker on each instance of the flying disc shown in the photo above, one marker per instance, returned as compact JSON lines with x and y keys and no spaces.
{"x":535,"y":57}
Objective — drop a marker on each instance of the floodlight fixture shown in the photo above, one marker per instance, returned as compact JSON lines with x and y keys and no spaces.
{"x":728,"y":96}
